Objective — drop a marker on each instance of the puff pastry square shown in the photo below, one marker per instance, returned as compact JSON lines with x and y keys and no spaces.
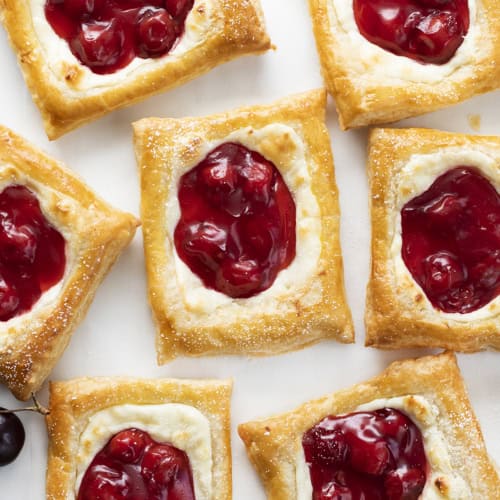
{"x":461,"y":466}
{"x":373,"y":86}
{"x":402,"y":164}
{"x":95,"y":234}
{"x":306,"y":303}
{"x":69,"y":94}
{"x":129,"y":402}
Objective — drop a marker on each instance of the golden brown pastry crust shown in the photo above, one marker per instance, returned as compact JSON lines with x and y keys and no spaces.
{"x":272,"y":444}
{"x":236,"y":28}
{"x":363,"y":100}
{"x":72,"y":403}
{"x":399,"y":315}
{"x":97,"y":234}
{"x":159,"y":142}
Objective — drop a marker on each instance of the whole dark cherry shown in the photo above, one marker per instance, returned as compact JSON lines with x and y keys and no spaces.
{"x":106,"y":35}
{"x":451,"y":241}
{"x":12,"y":437}
{"x":134,"y":466}
{"x":376,"y":455}
{"x":429,"y":31}
{"x":32,"y":252}
{"x":237,"y":225}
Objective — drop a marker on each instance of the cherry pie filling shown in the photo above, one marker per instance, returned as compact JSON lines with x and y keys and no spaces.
{"x":32,"y":252}
{"x":106,"y":35}
{"x":133,"y":466}
{"x":375,"y":455}
{"x":451,"y":240}
{"x":237,"y":225}
{"x":428,"y":31}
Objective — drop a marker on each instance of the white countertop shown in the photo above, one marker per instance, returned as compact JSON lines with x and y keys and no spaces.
{"x":117,"y":336}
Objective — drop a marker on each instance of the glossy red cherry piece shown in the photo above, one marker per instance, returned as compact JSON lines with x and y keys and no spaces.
{"x":127,"y":447}
{"x":451,"y":241}
{"x":99,"y":44}
{"x":429,"y":31}
{"x":134,"y":466}
{"x":106,"y":35}
{"x":375,"y":455}
{"x":32,"y":252}
{"x":156,"y":31}
{"x":237,"y":224}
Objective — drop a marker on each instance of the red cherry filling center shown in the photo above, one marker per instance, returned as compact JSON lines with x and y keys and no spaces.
{"x":429,"y":31}
{"x":375,"y":455}
{"x":105,"y":35}
{"x":451,"y":241}
{"x":237,"y":224}
{"x":32,"y":257}
{"x":133,"y":466}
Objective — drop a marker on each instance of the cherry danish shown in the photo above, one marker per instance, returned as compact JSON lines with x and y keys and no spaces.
{"x":376,"y":455}
{"x":451,"y":240}
{"x":106,"y":35}
{"x":237,"y":224}
{"x":428,"y":31}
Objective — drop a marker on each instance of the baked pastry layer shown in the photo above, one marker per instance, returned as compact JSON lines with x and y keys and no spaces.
{"x":95,"y":234}
{"x":306,"y":302}
{"x":78,"y":406}
{"x":402,"y":164}
{"x":68,"y":94}
{"x":274,"y":444}
{"x":373,"y":86}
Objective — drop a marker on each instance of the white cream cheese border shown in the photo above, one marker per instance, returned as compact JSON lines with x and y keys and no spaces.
{"x":425,"y":415}
{"x":11,"y":176}
{"x":207,"y":307}
{"x":181,"y":425}
{"x":366,"y":58}
{"x":416,"y":176}
{"x":58,"y":55}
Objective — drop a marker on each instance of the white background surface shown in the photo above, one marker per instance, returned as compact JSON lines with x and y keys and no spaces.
{"x":117,"y":336}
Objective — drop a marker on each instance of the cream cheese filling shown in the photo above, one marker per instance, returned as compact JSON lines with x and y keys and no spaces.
{"x":415,"y":178}
{"x":281,"y":145}
{"x":59,"y":58}
{"x":374,"y":63}
{"x":442,"y":482}
{"x":10,"y":176}
{"x":181,"y":425}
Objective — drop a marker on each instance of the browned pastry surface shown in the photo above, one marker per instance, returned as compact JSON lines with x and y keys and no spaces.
{"x":234,"y":28}
{"x":273,"y":444}
{"x":95,"y":234}
{"x":398,"y":314}
{"x":164,"y":147}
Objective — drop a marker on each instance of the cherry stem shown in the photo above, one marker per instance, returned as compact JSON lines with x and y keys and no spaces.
{"x":37,"y":408}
